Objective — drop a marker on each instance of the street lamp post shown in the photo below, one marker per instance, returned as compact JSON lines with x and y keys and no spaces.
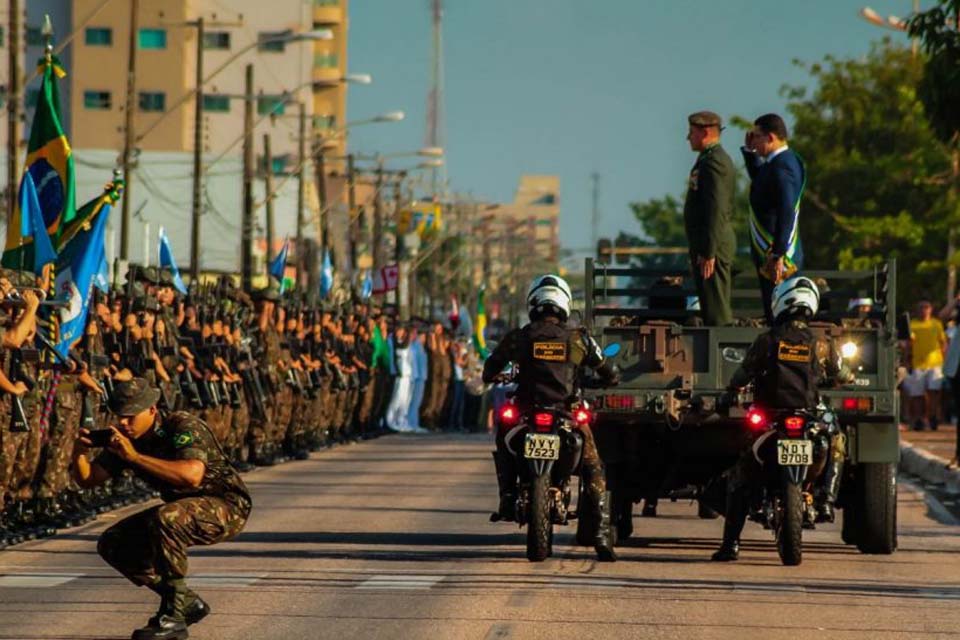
{"x":197,"y":158}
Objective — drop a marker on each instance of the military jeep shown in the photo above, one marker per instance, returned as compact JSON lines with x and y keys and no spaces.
{"x":661,"y":432}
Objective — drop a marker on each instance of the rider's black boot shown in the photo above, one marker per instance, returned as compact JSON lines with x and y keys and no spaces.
{"x":507,"y":483}
{"x":603,"y":544}
{"x":735,"y":518}
{"x":830,"y":489}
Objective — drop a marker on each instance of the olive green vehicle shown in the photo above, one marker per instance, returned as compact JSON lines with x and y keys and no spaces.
{"x":661,"y":432}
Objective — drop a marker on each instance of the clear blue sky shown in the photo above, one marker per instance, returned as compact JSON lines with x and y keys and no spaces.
{"x":569,"y":87}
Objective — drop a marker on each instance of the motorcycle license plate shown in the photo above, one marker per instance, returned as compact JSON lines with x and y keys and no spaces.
{"x":795,"y":452}
{"x":539,"y":446}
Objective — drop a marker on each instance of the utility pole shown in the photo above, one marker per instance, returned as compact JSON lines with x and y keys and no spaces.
{"x":595,"y":212}
{"x":246,"y":226}
{"x":301,"y":193}
{"x":354,"y":219}
{"x":378,"y":219}
{"x":13,"y":107}
{"x":268,"y":187}
{"x":398,"y":241}
{"x":197,"y":156}
{"x":129,"y":135}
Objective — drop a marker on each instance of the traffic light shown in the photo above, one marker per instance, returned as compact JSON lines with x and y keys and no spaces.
{"x":622,"y":242}
{"x":603,"y":244}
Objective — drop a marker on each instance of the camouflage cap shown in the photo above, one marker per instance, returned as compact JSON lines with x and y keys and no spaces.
{"x":705,"y":119}
{"x":166,"y":277}
{"x":149,"y":275}
{"x":133,"y":396}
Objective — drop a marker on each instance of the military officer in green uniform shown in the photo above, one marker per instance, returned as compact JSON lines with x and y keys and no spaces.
{"x":205,"y":501}
{"x":707,"y":216}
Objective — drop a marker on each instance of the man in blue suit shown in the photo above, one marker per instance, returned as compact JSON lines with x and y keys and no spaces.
{"x":777,"y":179}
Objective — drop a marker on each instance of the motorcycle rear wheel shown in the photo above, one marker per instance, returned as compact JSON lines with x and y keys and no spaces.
{"x":790,"y":532}
{"x":539,"y":523}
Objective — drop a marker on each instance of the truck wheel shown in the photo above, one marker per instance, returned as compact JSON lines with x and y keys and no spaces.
{"x":622,"y":513}
{"x":790,"y":533}
{"x":539,"y":522}
{"x":877,"y":512}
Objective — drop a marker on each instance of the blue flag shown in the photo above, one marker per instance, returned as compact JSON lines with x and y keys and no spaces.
{"x":77,"y":268}
{"x":366,"y":289}
{"x":326,"y":275}
{"x":166,"y":260}
{"x":32,"y":226}
{"x":279,"y":264}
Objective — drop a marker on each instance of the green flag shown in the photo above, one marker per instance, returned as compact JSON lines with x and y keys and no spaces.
{"x":50,"y":163}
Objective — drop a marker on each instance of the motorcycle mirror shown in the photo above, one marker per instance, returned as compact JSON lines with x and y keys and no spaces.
{"x":611,"y":349}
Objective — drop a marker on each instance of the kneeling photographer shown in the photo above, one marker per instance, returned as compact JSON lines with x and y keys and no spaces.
{"x":205,"y":500}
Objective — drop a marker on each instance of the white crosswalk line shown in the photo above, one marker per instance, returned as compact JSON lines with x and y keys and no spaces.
{"x":400,"y":582}
{"x":596,"y":583}
{"x":224,"y":579}
{"x":37,"y":580}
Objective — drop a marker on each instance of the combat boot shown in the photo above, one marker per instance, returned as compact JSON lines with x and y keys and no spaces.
{"x":734,"y":519}
{"x":603,"y":543}
{"x":829,"y":490}
{"x":507,"y":483}
{"x":170,"y":621}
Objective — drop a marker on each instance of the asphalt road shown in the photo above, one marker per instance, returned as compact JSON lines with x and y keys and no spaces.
{"x":390,"y":539}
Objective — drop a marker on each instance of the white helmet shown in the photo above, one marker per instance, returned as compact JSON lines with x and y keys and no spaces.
{"x":797,"y":293}
{"x":549,"y":290}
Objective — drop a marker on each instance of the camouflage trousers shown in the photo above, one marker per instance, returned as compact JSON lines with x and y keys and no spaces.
{"x":151,"y":546}
{"x":62,"y":433}
{"x":239,"y":427}
{"x":21,"y":451}
{"x":282,"y":415}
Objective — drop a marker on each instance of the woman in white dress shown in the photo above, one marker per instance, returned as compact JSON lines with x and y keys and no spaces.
{"x":399,"y":408}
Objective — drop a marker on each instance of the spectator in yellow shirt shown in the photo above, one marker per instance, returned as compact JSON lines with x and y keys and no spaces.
{"x":928,"y":342}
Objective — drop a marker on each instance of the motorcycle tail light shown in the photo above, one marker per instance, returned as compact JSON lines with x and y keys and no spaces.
{"x":509,"y":415}
{"x":794,"y":425}
{"x":581,"y":416}
{"x":756,"y":419}
{"x":543,"y":419}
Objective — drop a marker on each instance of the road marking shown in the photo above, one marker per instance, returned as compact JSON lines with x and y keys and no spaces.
{"x":225,"y":579}
{"x":598,"y":583}
{"x":37,"y":580}
{"x":405,"y":581}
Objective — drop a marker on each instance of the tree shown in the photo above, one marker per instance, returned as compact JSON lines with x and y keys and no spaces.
{"x":875,"y":168}
{"x":939,"y":30}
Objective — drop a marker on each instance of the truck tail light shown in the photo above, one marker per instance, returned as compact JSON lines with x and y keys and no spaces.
{"x":861,"y":404}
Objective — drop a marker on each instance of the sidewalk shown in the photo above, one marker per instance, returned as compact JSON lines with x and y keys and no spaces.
{"x":925,"y":454}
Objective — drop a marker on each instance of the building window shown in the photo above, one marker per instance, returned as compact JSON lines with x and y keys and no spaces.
{"x":153,"y":38}
{"x":278,"y":165}
{"x":326,"y":3}
{"x":216,"y":40}
{"x":218,"y":104}
{"x":99,"y":36}
{"x":3,"y":40}
{"x":325,"y":60}
{"x":273,"y":40}
{"x":324,"y":122}
{"x":152,"y":100}
{"x":270,"y":105}
{"x":32,"y":98}
{"x":34,"y":37}
{"x":99,"y":100}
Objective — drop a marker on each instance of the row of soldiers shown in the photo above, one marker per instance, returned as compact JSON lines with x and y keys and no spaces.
{"x":273,"y":376}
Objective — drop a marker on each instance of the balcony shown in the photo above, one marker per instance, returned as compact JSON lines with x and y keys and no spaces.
{"x":327,"y":12}
{"x":326,"y":68}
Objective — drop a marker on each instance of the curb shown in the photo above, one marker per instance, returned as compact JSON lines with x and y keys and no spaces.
{"x":929,"y":468}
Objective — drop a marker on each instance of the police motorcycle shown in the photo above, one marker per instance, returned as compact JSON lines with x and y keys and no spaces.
{"x":548,"y":449}
{"x":793,"y":451}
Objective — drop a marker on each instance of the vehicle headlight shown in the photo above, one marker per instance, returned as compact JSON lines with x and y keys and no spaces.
{"x":849,"y":350}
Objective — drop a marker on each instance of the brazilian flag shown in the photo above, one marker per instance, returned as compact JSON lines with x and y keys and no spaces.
{"x":50,"y":164}
{"x":479,"y":341}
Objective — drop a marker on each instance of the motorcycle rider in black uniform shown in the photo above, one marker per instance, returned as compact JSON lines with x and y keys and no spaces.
{"x":785,"y":366}
{"x":548,"y":354}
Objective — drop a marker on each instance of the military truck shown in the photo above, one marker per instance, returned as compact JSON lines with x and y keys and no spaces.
{"x":662,"y":433}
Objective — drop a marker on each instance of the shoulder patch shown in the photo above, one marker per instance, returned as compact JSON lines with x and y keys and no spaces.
{"x":183,"y":439}
{"x":789,"y":352}
{"x":551,"y":351}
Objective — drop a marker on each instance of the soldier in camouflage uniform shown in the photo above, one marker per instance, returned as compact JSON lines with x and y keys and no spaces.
{"x":205,"y":501}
